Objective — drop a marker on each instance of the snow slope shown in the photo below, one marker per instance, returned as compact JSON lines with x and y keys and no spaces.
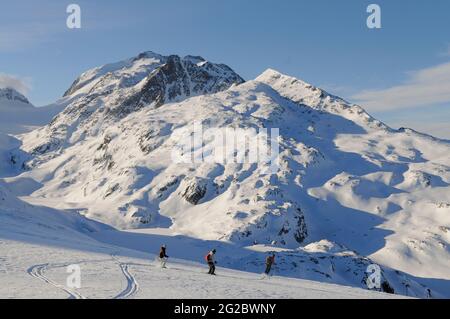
{"x":127,"y":275}
{"x":350,"y":190}
{"x":38,"y":244}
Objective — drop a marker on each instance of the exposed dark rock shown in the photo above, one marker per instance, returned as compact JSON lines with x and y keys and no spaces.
{"x":386,"y":287}
{"x":301,"y":231}
{"x":195,"y":190}
{"x":112,"y":190}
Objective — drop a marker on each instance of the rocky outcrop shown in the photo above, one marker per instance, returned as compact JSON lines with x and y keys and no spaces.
{"x":194,"y":190}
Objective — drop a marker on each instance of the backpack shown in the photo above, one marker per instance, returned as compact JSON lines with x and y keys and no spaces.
{"x":207,"y":257}
{"x":162,"y":252}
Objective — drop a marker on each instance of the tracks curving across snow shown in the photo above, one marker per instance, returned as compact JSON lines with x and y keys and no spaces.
{"x":132,"y":285}
{"x":37,"y":271}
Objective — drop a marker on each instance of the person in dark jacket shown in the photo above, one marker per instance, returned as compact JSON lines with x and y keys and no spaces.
{"x":163,"y":256}
{"x":211,"y":262}
{"x":270,"y":260}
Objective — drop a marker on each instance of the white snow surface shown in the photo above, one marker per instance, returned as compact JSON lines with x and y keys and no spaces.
{"x":38,"y":244}
{"x":350,"y":192}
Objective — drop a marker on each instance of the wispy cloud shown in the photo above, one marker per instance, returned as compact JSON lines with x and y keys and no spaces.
{"x":15,"y":38}
{"x":20,"y":84}
{"x":341,"y":90}
{"x":26,"y":23}
{"x":426,"y":87}
{"x":446,"y":52}
{"x":436,"y":128}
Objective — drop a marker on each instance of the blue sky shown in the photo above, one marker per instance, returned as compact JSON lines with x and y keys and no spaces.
{"x":400,"y":73}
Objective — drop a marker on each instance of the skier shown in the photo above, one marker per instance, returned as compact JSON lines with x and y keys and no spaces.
{"x":163,"y":256}
{"x":270,"y":260}
{"x":211,"y":262}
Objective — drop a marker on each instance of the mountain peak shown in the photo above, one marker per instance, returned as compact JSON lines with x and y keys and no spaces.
{"x":293,"y":88}
{"x":195,"y":59}
{"x":10,"y":94}
{"x":282,"y":81}
{"x":272,"y":75}
{"x":128,"y":73}
{"x":314,"y":97}
{"x":106,"y":94}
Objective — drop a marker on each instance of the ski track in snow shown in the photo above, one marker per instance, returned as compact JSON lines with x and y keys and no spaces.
{"x":37,"y":271}
{"x":132,"y":285}
{"x":176,"y":275}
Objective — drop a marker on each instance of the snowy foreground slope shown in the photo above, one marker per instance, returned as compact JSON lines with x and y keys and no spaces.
{"x":120,"y":277}
{"x":37,"y":245}
{"x":350,"y":190}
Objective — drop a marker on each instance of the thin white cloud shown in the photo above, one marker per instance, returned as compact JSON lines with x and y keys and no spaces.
{"x":446,"y":52}
{"x":436,"y":129}
{"x":426,"y":87}
{"x":19,"y":38}
{"x":28,"y":24}
{"x":20,"y":84}
{"x":336,"y":89}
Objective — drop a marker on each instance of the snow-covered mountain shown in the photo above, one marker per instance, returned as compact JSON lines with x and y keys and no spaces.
{"x":102,"y":96}
{"x":12,"y":96}
{"x":349,"y":190}
{"x":18,"y":115}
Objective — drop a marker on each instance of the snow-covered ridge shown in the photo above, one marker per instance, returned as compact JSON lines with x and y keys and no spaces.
{"x":306,"y":94}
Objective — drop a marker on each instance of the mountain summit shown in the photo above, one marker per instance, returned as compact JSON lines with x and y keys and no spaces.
{"x":106,"y":94}
{"x":157,"y":79}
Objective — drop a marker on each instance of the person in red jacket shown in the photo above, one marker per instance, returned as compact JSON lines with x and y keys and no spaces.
{"x":211,"y":262}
